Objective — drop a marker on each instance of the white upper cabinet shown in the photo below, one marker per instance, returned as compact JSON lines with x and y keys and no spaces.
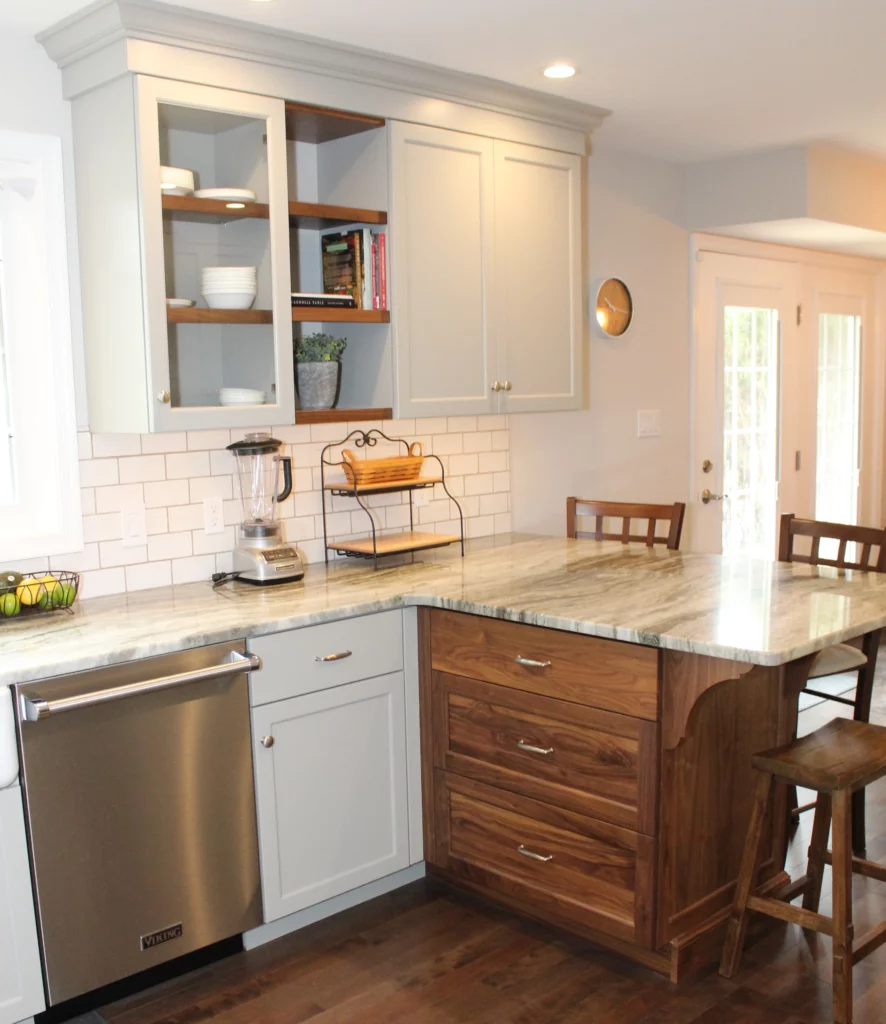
{"x":151,"y":368}
{"x":442,"y":218}
{"x":487,"y":265}
{"x":21,"y":979}
{"x":538,"y":245}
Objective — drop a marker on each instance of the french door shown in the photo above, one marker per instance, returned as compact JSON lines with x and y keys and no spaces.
{"x":781,"y":378}
{"x":745,"y":335}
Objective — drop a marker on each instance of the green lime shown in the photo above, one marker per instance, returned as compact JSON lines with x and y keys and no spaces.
{"x":9,"y":604}
{"x":63,"y":596}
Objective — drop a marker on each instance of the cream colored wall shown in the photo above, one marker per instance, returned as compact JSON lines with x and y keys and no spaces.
{"x":635,"y":218}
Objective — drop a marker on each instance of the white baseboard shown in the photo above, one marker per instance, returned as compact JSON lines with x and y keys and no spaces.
{"x":302,"y":918}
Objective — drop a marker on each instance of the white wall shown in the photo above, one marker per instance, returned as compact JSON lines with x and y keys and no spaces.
{"x":31,"y":101}
{"x":635,"y":232}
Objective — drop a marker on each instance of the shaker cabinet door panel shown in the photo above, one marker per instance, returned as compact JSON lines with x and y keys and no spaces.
{"x":442,"y":226}
{"x":21,"y":980}
{"x":331,"y":792}
{"x":538,"y":246}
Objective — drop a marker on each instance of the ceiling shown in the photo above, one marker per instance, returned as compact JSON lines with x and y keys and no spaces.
{"x":686,"y":79}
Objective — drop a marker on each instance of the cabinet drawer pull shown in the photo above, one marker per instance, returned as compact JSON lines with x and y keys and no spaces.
{"x":531,"y":662}
{"x":534,"y":856}
{"x":334,"y":657}
{"x":523,"y":745}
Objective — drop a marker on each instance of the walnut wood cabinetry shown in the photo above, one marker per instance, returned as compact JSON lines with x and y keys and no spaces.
{"x":598,"y":785}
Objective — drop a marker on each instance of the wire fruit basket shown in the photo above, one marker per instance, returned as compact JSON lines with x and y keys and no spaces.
{"x":37,"y":593}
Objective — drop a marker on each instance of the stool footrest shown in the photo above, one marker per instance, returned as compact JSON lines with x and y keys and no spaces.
{"x":791,"y":890}
{"x":860,"y":866}
{"x":793,"y":915}
{"x":868,"y":943}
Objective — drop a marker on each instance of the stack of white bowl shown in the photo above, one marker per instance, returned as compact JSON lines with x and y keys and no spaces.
{"x":229,"y":287}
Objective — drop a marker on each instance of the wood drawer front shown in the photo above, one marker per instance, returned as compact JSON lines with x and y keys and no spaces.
{"x":605,"y":674}
{"x":594,"y":762}
{"x":593,"y":873}
{"x":294,"y":662}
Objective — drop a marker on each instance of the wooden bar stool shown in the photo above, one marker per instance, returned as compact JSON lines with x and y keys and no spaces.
{"x":581,"y":511}
{"x":837,"y":760}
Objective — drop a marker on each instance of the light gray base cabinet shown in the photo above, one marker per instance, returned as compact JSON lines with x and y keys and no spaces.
{"x":21,"y":981}
{"x":330,"y":765}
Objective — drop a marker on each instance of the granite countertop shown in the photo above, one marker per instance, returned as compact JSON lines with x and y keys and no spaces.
{"x":749,"y":610}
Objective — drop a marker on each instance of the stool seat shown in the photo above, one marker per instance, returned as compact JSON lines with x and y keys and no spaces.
{"x":844,"y":754}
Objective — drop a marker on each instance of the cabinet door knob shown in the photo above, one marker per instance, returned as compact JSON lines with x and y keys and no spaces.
{"x":506,"y":385}
{"x":164,"y":397}
{"x":544,"y":857}
{"x":495,"y":385}
{"x":334,"y":657}
{"x":533,"y":749}
{"x":531,"y":662}
{"x":267,"y":741}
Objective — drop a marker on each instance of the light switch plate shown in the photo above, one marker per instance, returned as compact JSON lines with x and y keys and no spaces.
{"x":213,"y":514}
{"x":649,"y":423}
{"x":422,"y":497}
{"x":134,"y":526}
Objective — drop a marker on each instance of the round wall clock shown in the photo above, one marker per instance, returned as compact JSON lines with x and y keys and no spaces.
{"x":615,"y":307}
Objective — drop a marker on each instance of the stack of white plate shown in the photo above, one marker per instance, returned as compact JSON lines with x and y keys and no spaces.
{"x":229,"y":287}
{"x":176,"y":181}
{"x":241,"y":396}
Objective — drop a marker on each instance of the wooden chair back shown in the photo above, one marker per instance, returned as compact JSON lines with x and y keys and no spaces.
{"x":580,"y":511}
{"x":865,"y":539}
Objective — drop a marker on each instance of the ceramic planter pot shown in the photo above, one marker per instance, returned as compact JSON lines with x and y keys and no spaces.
{"x":318,"y":384}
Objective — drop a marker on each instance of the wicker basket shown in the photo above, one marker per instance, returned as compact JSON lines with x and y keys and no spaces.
{"x":400,"y":469}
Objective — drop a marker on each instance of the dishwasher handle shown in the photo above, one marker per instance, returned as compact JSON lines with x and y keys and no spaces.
{"x":33,"y":709}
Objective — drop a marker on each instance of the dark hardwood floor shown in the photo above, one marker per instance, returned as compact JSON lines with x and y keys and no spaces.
{"x":426,"y":955}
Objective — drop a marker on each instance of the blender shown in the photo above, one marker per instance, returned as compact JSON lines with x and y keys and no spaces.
{"x":261,"y":556}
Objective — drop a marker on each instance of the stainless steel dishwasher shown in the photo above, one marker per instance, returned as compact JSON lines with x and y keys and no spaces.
{"x":141,"y":812}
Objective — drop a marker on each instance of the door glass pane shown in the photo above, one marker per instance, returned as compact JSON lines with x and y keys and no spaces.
{"x":836,"y":463}
{"x":750,"y":430}
{"x":7,"y":477}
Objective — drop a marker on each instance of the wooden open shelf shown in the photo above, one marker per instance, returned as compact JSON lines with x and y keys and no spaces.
{"x":394,"y":543}
{"x":306,"y":123}
{"x":384,"y":488}
{"x":340,"y":315}
{"x":342,"y":415}
{"x":327,"y":215}
{"x":191,"y":208}
{"x":196,"y":315}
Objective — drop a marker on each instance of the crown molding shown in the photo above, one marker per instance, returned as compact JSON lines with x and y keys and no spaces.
{"x":107,"y":22}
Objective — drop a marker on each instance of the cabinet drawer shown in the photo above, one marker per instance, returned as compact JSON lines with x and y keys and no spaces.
{"x":586,"y":670}
{"x":555,"y":862}
{"x":317,"y":657}
{"x":594,"y":762}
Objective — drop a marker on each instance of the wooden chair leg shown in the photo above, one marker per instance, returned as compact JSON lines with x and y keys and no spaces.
{"x":864,"y":690}
{"x":842,"y":880}
{"x":818,"y":846}
{"x":738,"y":917}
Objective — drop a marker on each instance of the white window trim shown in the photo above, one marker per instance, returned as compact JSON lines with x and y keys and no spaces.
{"x":46,"y":518}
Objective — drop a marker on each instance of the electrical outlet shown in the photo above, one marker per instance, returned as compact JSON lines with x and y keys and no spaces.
{"x":649,"y":423}
{"x":214,"y":514}
{"x":422,"y":497}
{"x":134,"y":526}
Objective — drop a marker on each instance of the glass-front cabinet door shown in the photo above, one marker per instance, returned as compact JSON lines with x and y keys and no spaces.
{"x":212,"y":168}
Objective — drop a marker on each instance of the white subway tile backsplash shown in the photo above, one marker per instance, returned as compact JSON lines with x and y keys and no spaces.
{"x":161,"y":443}
{"x":98,"y":472}
{"x":109,"y":445}
{"x":139,"y":468}
{"x":206,"y":440}
{"x":193,"y":569}
{"x":166,"y":493}
{"x":187,"y":464}
{"x":151,"y":574}
{"x":115,"y":499}
{"x":171,"y":473}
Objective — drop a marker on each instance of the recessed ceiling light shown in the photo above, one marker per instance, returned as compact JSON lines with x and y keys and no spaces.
{"x":559,"y":71}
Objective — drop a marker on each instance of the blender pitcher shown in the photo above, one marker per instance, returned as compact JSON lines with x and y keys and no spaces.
{"x":261,"y":556}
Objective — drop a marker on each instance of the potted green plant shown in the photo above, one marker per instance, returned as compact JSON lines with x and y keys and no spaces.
{"x":318,"y":361}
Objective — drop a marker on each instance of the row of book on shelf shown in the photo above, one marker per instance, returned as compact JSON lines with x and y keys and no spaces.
{"x":355,"y":271}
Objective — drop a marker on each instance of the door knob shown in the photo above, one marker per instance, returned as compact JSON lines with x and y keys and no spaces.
{"x":164,"y":397}
{"x":495,"y":385}
{"x":506,"y":385}
{"x":707,"y":497}
{"x":267,"y":741}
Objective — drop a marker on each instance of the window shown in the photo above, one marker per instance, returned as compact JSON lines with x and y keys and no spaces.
{"x":39,"y":484}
